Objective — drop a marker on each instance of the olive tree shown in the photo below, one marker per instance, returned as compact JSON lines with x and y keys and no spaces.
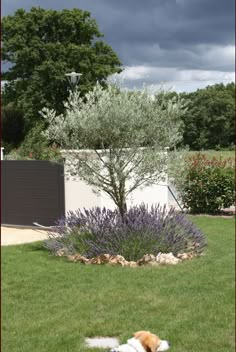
{"x":121,"y":137}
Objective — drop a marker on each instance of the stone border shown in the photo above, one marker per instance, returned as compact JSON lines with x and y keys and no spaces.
{"x":147,"y":259}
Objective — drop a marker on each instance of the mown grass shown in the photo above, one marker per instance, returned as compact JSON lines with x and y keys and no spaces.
{"x":216,"y":153}
{"x":51,"y":305}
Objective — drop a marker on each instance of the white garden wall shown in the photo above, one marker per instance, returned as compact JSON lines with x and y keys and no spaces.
{"x":80,"y":195}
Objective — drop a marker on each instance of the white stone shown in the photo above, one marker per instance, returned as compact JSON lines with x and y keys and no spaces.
{"x":166,"y":258}
{"x":102,"y":342}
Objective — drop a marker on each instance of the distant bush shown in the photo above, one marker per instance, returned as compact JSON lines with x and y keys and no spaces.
{"x":35,"y":147}
{"x":142,"y":231}
{"x":209,"y":184}
{"x":50,"y":153}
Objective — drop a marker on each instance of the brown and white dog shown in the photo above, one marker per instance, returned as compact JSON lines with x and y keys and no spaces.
{"x":143,"y":341}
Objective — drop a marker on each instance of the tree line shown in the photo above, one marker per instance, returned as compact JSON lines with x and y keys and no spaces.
{"x":208,"y":120}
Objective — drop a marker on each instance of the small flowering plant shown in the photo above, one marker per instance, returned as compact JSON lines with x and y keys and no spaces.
{"x":143,"y":230}
{"x":209,"y":184}
{"x":36,"y":152}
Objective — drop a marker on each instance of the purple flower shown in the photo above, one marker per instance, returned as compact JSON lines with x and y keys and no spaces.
{"x":143,"y":230}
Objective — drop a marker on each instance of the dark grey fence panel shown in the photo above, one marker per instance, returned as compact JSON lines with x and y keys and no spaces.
{"x":32,"y":191}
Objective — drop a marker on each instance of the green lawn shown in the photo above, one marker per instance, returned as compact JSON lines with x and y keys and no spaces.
{"x":217,"y":153}
{"x":50,"y":305}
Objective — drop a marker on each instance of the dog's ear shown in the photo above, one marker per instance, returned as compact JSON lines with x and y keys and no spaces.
{"x":149,"y":341}
{"x":153,"y":343}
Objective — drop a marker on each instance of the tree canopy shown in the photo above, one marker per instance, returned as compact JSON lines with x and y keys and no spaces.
{"x":128,"y":134}
{"x":41,"y":46}
{"x":209,"y":119}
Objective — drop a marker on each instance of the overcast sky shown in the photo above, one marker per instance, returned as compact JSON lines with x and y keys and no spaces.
{"x":185,"y":44}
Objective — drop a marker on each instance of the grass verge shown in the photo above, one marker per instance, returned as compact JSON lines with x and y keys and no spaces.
{"x":224,"y":154}
{"x":51,"y":305}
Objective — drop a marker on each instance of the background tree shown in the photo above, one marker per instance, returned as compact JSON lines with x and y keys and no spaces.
{"x":116,"y":125}
{"x":41,"y":46}
{"x":209,"y":120}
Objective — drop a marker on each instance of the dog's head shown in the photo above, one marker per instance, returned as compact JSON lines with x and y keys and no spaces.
{"x":151,"y":342}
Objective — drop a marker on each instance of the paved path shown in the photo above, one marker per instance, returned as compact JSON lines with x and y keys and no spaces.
{"x":102,"y":342}
{"x":11,"y":236}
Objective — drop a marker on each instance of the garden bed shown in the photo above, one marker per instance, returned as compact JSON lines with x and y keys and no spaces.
{"x":86,"y":235}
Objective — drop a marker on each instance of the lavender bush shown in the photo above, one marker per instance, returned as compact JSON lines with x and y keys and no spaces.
{"x":142,"y":231}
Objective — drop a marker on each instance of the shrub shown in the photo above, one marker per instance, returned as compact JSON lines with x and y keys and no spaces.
{"x":35,"y":147}
{"x":141,"y":231}
{"x":50,"y":153}
{"x":209,"y":184}
{"x":13,"y":127}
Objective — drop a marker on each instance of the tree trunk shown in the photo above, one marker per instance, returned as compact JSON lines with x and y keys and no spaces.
{"x":122,"y":209}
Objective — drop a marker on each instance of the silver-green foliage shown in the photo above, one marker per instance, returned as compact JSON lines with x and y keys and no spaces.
{"x":127,"y":133}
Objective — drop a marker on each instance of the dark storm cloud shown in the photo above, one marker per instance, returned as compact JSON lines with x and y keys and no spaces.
{"x":150,"y":33}
{"x":166,"y":22}
{"x":179,"y":34}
